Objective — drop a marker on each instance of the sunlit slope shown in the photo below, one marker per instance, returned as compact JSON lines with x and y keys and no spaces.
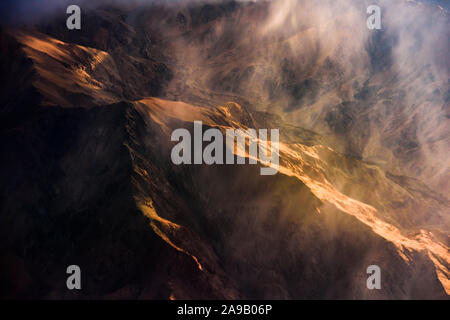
{"x":378,"y":95}
{"x":354,"y":187}
{"x":70,"y":75}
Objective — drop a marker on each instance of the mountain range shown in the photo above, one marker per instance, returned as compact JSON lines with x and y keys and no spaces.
{"x":87,"y":179}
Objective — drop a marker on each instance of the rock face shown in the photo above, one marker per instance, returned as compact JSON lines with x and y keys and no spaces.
{"x":87,"y":179}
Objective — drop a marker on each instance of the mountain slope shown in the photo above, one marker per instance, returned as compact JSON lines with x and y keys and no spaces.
{"x":88,"y":180}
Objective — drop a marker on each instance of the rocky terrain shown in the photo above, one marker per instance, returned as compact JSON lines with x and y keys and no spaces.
{"x":86,"y":118}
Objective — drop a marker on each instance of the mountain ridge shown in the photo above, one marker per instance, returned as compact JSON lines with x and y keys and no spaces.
{"x":88,"y":174}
